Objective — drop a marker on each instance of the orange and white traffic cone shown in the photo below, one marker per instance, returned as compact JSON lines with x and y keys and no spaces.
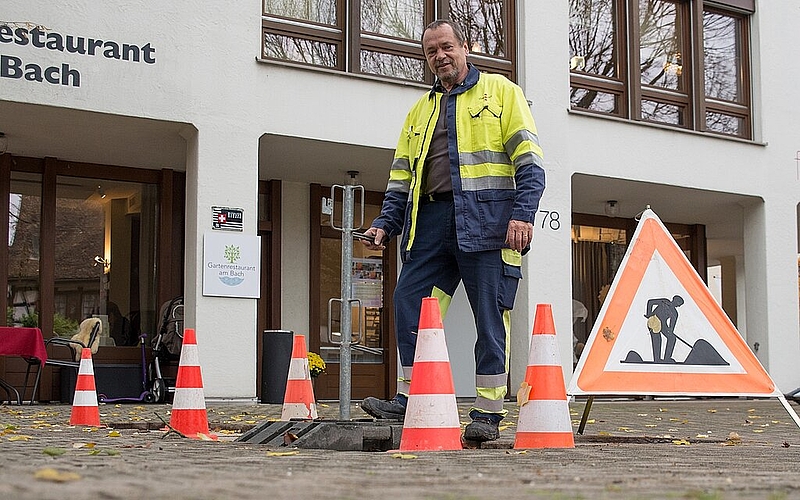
{"x":544,"y":420}
{"x":85,"y":410}
{"x":189,"y":415}
{"x":299,"y":401}
{"x":431,"y":422}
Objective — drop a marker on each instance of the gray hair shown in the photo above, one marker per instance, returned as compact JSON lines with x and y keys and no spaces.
{"x":460,"y":38}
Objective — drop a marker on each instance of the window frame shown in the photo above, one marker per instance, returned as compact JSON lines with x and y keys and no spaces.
{"x":630,"y":91}
{"x":350,"y":40}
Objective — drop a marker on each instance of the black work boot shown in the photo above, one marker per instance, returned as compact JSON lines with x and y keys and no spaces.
{"x":482,"y":429}
{"x":394,"y":409}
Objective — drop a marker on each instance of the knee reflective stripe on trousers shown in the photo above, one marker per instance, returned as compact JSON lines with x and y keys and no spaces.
{"x":444,"y":300}
{"x":491,"y":391}
{"x":404,"y":382}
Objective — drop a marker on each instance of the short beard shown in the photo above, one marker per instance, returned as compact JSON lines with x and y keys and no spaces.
{"x":450,"y":78}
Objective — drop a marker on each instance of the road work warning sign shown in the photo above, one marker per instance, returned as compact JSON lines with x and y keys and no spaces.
{"x":661,"y":332}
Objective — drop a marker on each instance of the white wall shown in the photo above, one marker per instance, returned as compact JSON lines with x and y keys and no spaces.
{"x":206,"y":75}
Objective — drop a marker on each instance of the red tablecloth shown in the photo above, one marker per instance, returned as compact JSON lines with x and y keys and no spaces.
{"x":25,"y":342}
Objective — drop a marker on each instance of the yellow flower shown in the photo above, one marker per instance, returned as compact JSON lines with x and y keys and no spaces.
{"x":316,"y":365}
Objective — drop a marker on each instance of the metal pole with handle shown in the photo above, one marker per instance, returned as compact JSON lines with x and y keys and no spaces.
{"x":346,"y":302}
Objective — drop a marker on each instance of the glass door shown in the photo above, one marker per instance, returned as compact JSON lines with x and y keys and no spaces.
{"x":373,"y":278}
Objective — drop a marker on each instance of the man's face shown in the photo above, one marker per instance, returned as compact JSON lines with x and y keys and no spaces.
{"x":446,"y":57}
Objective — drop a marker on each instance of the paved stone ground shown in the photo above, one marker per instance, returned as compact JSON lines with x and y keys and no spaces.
{"x":696,"y":449}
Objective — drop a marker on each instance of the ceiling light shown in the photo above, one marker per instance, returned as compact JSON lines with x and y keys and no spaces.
{"x":612,"y":208}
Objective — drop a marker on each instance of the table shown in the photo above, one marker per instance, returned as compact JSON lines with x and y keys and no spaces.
{"x":27,"y":343}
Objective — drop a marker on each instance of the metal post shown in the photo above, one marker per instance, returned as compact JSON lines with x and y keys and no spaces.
{"x":345,"y":372}
{"x":346,"y":301}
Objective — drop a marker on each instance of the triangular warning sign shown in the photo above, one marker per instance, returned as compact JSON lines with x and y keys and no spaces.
{"x":660,"y":331}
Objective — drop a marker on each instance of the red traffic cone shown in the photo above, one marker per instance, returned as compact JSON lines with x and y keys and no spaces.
{"x":544,"y":420}
{"x":189,"y":415}
{"x":299,"y":401}
{"x":431,"y":421}
{"x":84,"y":404}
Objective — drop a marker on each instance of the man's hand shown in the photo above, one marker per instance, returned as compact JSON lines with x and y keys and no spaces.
{"x":378,"y":237}
{"x":519,"y":234}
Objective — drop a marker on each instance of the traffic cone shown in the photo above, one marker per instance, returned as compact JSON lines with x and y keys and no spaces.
{"x":189,"y":415}
{"x":85,"y":410}
{"x":431,"y":422}
{"x":544,"y":420}
{"x":299,"y":401}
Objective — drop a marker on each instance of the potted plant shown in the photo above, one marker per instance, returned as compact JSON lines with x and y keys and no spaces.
{"x":316,"y":365}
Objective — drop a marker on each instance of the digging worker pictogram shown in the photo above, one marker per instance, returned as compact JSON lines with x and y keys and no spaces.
{"x":662,"y":314}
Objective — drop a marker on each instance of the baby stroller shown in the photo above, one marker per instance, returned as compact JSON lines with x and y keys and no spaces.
{"x":166,"y":348}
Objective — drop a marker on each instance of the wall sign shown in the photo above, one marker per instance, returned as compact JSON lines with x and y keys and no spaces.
{"x":227,"y":219}
{"x":41,"y":38}
{"x":231,"y":265}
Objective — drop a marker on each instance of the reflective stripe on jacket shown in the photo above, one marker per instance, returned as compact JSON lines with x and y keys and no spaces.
{"x":497,"y":174}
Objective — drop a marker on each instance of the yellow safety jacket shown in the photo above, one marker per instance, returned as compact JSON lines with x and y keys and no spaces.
{"x":497,"y":173}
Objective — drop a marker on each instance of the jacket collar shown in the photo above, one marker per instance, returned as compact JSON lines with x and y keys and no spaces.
{"x":472,"y":78}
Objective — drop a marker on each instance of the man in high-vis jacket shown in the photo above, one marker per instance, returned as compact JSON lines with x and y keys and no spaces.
{"x":463,"y":191}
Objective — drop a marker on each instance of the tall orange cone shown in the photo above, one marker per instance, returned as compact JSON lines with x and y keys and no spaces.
{"x":431,"y":421}
{"x":299,"y":401}
{"x":544,"y":420}
{"x":84,"y":404}
{"x":189,"y":415}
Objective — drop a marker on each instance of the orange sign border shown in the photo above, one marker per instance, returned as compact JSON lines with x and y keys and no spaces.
{"x":592,"y":378}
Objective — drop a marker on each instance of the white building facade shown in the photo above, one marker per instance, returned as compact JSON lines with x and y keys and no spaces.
{"x":262,"y":106}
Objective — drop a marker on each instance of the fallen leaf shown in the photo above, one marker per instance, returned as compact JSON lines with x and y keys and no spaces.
{"x":289,"y":438}
{"x":523,"y":394}
{"x":112,"y":453}
{"x":19,"y":437}
{"x":680,"y":442}
{"x":83,"y":445}
{"x":114,"y":434}
{"x":734,"y":438}
{"x":54,"y":452}
{"x":404,"y":456}
{"x":282,"y":453}
{"x":785,"y":444}
{"x":48,"y":474}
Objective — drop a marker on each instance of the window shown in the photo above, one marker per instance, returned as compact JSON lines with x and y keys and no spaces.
{"x":681,"y":63}
{"x":382,"y":37}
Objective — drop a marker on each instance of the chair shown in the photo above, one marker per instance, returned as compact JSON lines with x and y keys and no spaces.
{"x":74,"y":346}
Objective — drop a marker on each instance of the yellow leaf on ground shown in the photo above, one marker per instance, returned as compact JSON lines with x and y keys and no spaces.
{"x":680,"y":442}
{"x":49,"y":474}
{"x":114,"y":434}
{"x":19,"y":437}
{"x":523,"y":393}
{"x":282,"y":453}
{"x":404,"y":456}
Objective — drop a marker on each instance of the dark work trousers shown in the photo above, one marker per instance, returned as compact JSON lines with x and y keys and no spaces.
{"x":435,"y":260}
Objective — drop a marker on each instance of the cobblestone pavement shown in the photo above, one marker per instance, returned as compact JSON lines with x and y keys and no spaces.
{"x":703,"y":449}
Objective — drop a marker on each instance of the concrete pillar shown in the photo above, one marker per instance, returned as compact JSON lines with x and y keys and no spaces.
{"x":221,"y":171}
{"x":771,"y":272}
